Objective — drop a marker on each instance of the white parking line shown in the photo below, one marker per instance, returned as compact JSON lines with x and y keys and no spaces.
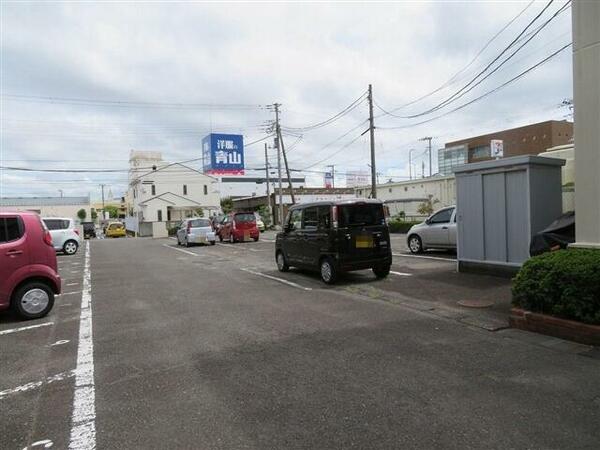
{"x":71,"y":284}
{"x":180,"y":250}
{"x":69,"y":293}
{"x":281,"y":280}
{"x":437,"y":258}
{"x":30,"y":327}
{"x":36,"y":384}
{"x":83,"y":419}
{"x":402,"y":274}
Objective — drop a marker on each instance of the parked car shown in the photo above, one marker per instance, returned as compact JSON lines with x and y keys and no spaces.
{"x":115,"y":229}
{"x":65,"y":235}
{"x":89,"y":230}
{"x":335,"y":237}
{"x":259,"y":222}
{"x":215,"y":221}
{"x":29,"y":277}
{"x":239,"y":227}
{"x":195,"y":231}
{"x":438,"y":231}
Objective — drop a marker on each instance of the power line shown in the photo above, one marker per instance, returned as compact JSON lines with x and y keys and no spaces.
{"x":126,"y":103}
{"x":332,"y":119}
{"x":462,"y":91}
{"x":464,"y":105}
{"x":452,"y":79}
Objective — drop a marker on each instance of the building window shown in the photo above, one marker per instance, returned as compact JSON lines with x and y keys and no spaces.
{"x":185,"y":189}
{"x":159,"y":213}
{"x":482,"y":151}
{"x":153,"y":188}
{"x":205,"y":190}
{"x":390,"y":190}
{"x":405,"y":189}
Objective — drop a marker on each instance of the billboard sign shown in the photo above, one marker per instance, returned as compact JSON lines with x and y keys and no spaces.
{"x":497,"y":148}
{"x":223,"y":154}
{"x":328,"y":180}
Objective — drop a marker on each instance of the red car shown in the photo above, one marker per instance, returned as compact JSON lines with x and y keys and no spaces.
{"x":29,"y":277}
{"x":238,"y":227}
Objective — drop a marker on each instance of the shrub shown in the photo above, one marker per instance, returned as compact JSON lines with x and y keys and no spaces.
{"x":564,"y":283}
{"x":400,"y":226}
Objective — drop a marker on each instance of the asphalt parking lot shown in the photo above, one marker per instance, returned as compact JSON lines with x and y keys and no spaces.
{"x":152,"y":345}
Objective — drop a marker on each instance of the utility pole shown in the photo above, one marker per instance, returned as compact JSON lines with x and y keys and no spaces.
{"x":61,"y":192}
{"x":268,"y":187}
{"x":372,"y":135}
{"x":102,"y":186}
{"x":287,"y":169}
{"x":410,"y":162}
{"x":428,"y":138}
{"x":422,"y":169}
{"x":280,"y":201}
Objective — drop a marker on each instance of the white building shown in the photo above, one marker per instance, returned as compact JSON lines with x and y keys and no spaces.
{"x":160,"y":192}
{"x":49,"y":206}
{"x":407,"y":196}
{"x":566,"y":152}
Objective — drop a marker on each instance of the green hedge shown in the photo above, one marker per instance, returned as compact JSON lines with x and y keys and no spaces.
{"x":400,"y":226}
{"x":564,"y":283}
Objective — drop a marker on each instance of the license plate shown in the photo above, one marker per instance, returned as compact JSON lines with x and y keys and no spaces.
{"x":364,"y":242}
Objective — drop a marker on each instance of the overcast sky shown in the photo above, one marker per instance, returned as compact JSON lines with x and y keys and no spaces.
{"x":314,"y":59}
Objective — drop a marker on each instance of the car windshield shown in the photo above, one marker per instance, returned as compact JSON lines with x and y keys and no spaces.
{"x":245,"y":217}
{"x":199,"y":223}
{"x":364,"y":214}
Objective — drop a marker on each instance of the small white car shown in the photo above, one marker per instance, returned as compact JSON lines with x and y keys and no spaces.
{"x":195,"y":231}
{"x":65,"y":234}
{"x":259,"y":222}
{"x":438,"y":231}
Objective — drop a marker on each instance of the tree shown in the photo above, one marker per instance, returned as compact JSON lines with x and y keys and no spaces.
{"x":81,"y":214}
{"x":426,"y":208}
{"x":227,"y":205}
{"x":199,"y":212}
{"x":113,"y":211}
{"x":94,"y":214}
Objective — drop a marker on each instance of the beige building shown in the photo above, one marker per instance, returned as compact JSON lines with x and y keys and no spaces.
{"x":49,"y":206}
{"x":407,"y":196}
{"x":566,"y":152}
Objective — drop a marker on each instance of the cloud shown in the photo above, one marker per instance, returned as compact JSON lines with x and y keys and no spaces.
{"x":313,"y":58}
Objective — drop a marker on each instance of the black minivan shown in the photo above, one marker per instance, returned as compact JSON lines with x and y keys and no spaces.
{"x":334,"y":237}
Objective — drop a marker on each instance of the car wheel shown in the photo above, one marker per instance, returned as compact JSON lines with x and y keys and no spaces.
{"x":212,"y":242}
{"x":70,"y":247}
{"x":381,"y":271}
{"x":282,"y":265}
{"x":33,"y":300}
{"x":220,"y":238}
{"x":328,"y":271}
{"x":187,"y":243}
{"x":256,"y":239}
{"x":414,"y":244}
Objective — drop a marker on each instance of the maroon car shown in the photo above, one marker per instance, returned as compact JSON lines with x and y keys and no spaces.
{"x":29,"y":277}
{"x":238,"y":227}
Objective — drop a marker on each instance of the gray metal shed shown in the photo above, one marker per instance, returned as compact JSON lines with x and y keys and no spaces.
{"x":500,"y":205}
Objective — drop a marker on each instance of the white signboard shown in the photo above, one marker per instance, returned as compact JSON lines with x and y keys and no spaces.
{"x":497,"y":148}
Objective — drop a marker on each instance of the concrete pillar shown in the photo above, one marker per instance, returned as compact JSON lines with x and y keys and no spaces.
{"x":586,"y":84}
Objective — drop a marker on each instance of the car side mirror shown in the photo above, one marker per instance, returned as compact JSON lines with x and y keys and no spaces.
{"x":428,"y":221}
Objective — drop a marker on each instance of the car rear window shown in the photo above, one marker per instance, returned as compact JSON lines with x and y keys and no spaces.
{"x":115,"y":226}
{"x":197,"y":223}
{"x":361,"y":215}
{"x":245,"y":217}
{"x":10,"y":229}
{"x":56,"y":224}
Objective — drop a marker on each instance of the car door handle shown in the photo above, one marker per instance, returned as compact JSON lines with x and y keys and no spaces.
{"x":444,"y":228}
{"x":14,"y":252}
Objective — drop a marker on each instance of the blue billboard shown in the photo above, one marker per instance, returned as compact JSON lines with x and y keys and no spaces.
{"x":223,"y":154}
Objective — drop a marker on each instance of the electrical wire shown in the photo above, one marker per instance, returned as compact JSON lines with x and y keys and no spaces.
{"x":462,"y":91}
{"x":496,"y":89}
{"x":331,"y":120}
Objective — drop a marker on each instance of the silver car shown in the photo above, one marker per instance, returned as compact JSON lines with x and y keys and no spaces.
{"x":438,"y":231}
{"x":65,"y":234}
{"x":195,"y":231}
